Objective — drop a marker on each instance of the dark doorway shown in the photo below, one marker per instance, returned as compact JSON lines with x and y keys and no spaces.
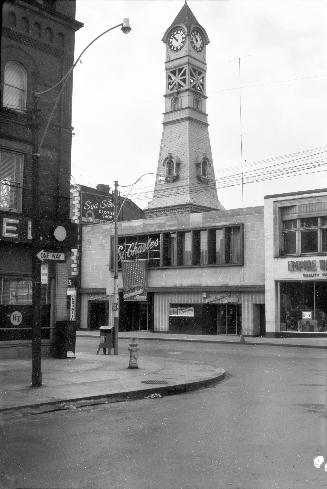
{"x":98,"y":314}
{"x":229,"y":319}
{"x":135,"y":315}
{"x":262,"y":320}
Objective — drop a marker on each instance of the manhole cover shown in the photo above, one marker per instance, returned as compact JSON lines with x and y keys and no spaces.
{"x":154,"y":381}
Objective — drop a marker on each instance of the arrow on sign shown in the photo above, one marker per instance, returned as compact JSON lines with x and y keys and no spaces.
{"x":51,"y":255}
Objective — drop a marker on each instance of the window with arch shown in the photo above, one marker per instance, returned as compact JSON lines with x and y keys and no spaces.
{"x":49,"y":34}
{"x":37,"y":30}
{"x":61,"y":39}
{"x":171,"y":166}
{"x":197,"y":102}
{"x":12,"y":19}
{"x":203,"y":169}
{"x":175,"y":103}
{"x":25,"y":24}
{"x":15,"y":86}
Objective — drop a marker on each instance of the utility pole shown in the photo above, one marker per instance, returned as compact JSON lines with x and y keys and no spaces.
{"x":36,"y":264}
{"x":115,"y":306}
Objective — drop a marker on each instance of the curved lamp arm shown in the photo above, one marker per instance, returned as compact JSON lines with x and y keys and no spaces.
{"x":125,"y":27}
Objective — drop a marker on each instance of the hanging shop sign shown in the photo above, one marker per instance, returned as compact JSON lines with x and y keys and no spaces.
{"x":96,"y":208}
{"x":134,"y":274}
{"x":309,"y":268}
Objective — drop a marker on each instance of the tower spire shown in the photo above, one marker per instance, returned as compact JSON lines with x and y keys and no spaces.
{"x":185,"y":176}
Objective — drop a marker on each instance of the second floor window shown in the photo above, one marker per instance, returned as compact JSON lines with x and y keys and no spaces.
{"x":11,"y":179}
{"x":304,"y":236}
{"x":15,"y":86}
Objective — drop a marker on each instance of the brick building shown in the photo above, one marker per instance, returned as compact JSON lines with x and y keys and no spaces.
{"x":37,"y":51}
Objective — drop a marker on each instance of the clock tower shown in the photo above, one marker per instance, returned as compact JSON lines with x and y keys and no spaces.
{"x":185,"y":179}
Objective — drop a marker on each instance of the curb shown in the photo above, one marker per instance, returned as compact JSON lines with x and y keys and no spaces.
{"x":215,"y":342}
{"x":166,"y":390}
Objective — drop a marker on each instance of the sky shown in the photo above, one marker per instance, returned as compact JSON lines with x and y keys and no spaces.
{"x":281,"y":89}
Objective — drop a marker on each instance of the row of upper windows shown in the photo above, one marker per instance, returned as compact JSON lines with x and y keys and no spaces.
{"x":15,"y":86}
{"x":35,"y":29}
{"x":304,"y":236}
{"x":213,"y":246}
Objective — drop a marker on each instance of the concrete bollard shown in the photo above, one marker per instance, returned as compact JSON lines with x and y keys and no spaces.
{"x":242,"y":339}
{"x":133,"y":354}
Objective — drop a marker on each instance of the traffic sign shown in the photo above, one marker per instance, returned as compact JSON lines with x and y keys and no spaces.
{"x":51,"y":255}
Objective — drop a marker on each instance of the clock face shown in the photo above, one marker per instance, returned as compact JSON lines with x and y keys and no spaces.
{"x":177,"y":39}
{"x":197,"y":40}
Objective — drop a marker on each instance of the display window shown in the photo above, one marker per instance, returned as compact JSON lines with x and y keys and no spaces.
{"x":16,"y":310}
{"x":303,"y":307}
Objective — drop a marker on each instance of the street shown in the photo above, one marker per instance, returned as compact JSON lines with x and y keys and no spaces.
{"x":261,"y":428}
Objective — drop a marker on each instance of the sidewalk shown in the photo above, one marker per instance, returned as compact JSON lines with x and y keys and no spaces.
{"x":249,"y":340}
{"x":105,"y":378}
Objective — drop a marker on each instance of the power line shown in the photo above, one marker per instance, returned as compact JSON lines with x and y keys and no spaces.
{"x":281,"y":166}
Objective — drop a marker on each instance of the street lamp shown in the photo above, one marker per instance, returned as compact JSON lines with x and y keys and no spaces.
{"x":115,"y":305}
{"x":37,"y":145}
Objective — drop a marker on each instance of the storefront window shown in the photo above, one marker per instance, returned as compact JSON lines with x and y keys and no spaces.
{"x":16,"y":310}
{"x":303,"y":307}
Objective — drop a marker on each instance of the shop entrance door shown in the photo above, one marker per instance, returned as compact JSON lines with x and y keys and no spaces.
{"x":134,"y":316}
{"x":229,"y":319}
{"x":98,"y":315}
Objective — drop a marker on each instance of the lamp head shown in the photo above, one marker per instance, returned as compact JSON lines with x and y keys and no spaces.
{"x":126,"y":28}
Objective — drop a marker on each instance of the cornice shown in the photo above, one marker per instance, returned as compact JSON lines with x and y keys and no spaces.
{"x":32,"y":43}
{"x":46,"y":13}
{"x":187,"y":118}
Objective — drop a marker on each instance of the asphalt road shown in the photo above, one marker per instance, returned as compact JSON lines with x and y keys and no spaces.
{"x":259,"y":429}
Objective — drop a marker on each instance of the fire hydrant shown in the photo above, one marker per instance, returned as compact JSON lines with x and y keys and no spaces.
{"x":133,"y":354}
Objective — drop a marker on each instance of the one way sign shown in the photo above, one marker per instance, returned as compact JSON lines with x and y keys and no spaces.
{"x":51,"y":255}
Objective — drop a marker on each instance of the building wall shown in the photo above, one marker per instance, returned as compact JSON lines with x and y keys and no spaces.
{"x":183,"y":284}
{"x":41,"y":39}
{"x":276,"y":266}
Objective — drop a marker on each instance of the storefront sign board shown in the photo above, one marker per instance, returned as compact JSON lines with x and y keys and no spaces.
{"x":316,"y":268}
{"x":222,"y":299}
